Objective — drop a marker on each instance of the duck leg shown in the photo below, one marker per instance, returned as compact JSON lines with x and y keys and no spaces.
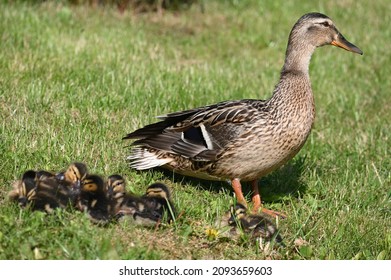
{"x":257,"y":203}
{"x":256,"y":197}
{"x":238,"y":191}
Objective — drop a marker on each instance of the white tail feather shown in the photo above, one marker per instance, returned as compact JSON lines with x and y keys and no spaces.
{"x":142,"y":159}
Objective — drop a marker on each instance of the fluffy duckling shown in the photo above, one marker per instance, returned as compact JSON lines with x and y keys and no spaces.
{"x":115,"y":187}
{"x":118,"y":196}
{"x":257,"y":225}
{"x":158,"y":200}
{"x":116,"y":192}
{"x":93,"y":199}
{"x":40,"y":190}
{"x":24,"y":189}
{"x":128,"y":206}
{"x":73,"y":175}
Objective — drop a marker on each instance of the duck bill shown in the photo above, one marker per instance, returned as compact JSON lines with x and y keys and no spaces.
{"x":341,"y":42}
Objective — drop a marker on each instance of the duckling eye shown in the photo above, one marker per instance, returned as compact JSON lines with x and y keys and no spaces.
{"x":76,"y":174}
{"x":240,"y":212}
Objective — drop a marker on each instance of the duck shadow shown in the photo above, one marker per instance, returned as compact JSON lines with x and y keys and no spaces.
{"x":278,"y":186}
{"x":285,"y":182}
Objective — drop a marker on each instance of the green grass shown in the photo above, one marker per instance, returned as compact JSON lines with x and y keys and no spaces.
{"x":74,"y":80}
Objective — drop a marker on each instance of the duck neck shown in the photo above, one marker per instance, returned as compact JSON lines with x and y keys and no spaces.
{"x":297,"y":57}
{"x":294,"y":87}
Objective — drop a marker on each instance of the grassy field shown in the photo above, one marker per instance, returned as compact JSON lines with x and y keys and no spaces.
{"x":74,"y":80}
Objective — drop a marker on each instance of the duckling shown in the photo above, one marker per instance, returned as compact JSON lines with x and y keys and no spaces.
{"x":73,"y":175}
{"x":116,"y":193}
{"x":116,"y":186}
{"x":93,"y":199}
{"x":223,"y":228}
{"x":41,"y":192}
{"x":24,"y":189}
{"x":127,"y":206}
{"x":158,"y":200}
{"x":257,"y":225}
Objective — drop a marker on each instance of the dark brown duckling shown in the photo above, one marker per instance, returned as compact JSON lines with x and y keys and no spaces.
{"x":128,"y":206}
{"x":24,"y":189}
{"x":93,"y":199}
{"x":73,"y":175}
{"x":40,"y":190}
{"x":257,"y":225}
{"x":158,"y":200}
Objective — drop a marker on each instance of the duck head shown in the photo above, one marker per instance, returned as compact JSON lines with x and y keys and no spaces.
{"x":74,"y":174}
{"x":316,"y":29}
{"x":237,"y":212}
{"x":158,"y":190}
{"x":115,"y":185}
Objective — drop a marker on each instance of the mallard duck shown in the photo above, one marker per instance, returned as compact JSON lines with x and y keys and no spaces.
{"x":24,"y":189}
{"x":93,"y":199}
{"x":259,"y":226}
{"x":73,"y":175}
{"x":145,"y":210}
{"x":157,"y":199}
{"x":118,"y":196}
{"x":243,"y":140}
{"x":40,"y":190}
{"x":116,"y":186}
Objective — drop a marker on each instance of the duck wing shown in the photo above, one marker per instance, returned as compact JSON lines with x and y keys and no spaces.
{"x":201,"y":133}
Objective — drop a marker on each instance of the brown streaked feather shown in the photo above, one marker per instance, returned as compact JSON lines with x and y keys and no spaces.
{"x":181,"y":133}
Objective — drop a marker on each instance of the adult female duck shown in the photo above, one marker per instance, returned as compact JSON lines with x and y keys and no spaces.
{"x":243,"y":140}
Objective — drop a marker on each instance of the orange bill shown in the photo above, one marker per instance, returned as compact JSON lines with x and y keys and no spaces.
{"x":341,"y":42}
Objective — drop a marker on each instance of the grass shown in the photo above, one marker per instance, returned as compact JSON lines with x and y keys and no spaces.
{"x":74,"y":80}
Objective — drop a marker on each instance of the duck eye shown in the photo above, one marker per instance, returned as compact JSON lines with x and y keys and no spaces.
{"x":326,"y":24}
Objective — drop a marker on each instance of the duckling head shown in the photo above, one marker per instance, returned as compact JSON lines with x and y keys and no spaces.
{"x":93,"y":184}
{"x":28,"y":188}
{"x":74,"y":174}
{"x":237,"y":212}
{"x":158,"y":190}
{"x":115,"y":185}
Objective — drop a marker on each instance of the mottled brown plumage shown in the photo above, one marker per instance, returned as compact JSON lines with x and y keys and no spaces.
{"x":257,"y":225}
{"x":40,"y":190}
{"x":93,"y":199}
{"x":243,"y":140}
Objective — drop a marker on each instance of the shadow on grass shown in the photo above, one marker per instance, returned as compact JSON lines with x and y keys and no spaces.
{"x":285,"y":182}
{"x":276,"y":187}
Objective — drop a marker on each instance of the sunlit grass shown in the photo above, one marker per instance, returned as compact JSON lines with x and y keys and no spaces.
{"x":74,"y":80}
